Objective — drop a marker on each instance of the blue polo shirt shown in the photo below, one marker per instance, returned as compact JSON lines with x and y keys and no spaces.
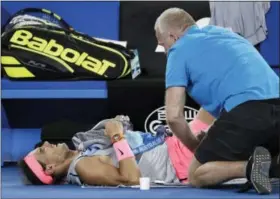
{"x":219,"y":69}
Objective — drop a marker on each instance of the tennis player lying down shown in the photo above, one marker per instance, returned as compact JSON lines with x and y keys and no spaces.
{"x":56,"y":164}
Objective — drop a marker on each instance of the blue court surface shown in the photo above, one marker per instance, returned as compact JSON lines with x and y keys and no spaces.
{"x":12,"y":187}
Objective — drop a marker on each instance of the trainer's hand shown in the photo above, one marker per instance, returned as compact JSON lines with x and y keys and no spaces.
{"x":113,"y":127}
{"x":201,"y":136}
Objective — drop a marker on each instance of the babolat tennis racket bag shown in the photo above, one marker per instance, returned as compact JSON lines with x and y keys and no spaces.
{"x":37,"y":44}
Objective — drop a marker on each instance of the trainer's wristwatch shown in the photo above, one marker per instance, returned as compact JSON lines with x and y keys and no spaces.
{"x":116,"y":138}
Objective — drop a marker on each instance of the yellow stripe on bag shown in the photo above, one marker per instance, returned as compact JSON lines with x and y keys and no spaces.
{"x":9,"y":60}
{"x":18,"y":72}
{"x":57,"y":16}
{"x":47,"y":11}
{"x":50,"y":12}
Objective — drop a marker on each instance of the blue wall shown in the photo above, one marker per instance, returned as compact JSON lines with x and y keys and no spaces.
{"x":270,"y":47}
{"x":4,"y":15}
{"x":98,"y":19}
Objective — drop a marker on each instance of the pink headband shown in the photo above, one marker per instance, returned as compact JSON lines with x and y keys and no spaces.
{"x":37,"y":169}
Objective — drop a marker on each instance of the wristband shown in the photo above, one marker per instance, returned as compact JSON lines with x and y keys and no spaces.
{"x":123,"y":150}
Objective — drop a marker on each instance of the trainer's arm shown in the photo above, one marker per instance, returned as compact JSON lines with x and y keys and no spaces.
{"x":175,"y":101}
{"x":177,"y":80}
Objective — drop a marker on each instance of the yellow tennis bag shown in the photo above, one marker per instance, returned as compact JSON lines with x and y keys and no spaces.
{"x":37,"y":44}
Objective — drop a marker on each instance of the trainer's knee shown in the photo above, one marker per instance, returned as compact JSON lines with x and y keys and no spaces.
{"x":194,"y":176}
{"x":204,"y":175}
{"x":197,"y":178}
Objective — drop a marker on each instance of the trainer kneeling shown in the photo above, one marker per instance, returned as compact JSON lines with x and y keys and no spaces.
{"x":227,"y":76}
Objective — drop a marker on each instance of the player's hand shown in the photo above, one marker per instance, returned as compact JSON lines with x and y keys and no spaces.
{"x":113,"y":127}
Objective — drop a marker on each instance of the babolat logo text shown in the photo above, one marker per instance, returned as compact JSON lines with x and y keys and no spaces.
{"x":53,"y":48}
{"x":158,"y":117}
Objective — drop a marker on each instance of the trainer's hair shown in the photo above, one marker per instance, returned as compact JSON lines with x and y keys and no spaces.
{"x":29,"y":177}
{"x":173,"y":19}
